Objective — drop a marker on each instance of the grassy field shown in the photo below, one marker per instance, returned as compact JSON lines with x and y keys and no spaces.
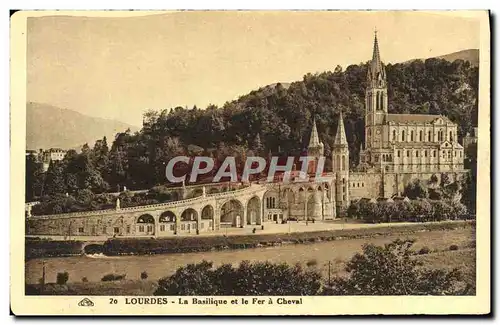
{"x":314,"y":255}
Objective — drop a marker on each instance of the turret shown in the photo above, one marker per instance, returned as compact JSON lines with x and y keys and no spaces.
{"x":315,"y":148}
{"x":340,"y":162}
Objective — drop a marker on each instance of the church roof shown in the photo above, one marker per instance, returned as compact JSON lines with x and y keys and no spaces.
{"x":340,"y":137}
{"x":414,"y":118}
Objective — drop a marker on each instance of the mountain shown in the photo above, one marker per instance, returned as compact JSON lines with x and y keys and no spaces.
{"x":53,"y":127}
{"x":471,"y":55}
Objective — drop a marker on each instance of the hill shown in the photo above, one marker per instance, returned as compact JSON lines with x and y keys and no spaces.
{"x":471,"y":55}
{"x":53,"y":127}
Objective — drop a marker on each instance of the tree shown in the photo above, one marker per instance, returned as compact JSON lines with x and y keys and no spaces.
{"x":392,"y":270}
{"x":261,"y":278}
{"x":257,"y":145}
{"x":34,"y":178}
{"x":62,"y":277}
{"x":54,"y":180}
{"x":416,"y":190}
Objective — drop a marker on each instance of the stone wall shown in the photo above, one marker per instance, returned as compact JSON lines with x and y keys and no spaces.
{"x":375,"y":185}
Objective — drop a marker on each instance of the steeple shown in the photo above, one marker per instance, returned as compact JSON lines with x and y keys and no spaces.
{"x":340,"y":137}
{"x":314,"y":139}
{"x":376,"y":71}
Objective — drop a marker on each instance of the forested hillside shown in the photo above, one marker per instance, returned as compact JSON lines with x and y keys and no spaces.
{"x":272,"y":118}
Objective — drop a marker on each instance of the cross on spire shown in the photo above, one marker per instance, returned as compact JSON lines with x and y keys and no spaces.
{"x":376,"y":69}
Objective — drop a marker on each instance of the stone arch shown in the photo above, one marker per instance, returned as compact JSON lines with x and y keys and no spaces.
{"x":311,"y":206}
{"x":231,"y":213}
{"x":189,"y":220}
{"x":189,"y":214}
{"x":167,"y":217}
{"x":167,"y":222}
{"x":208,"y":213}
{"x":145,"y":225}
{"x":254,"y":211}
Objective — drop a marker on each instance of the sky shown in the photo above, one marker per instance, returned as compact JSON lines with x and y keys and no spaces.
{"x":118,"y":67}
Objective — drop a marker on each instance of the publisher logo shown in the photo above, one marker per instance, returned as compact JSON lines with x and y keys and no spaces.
{"x":85,"y":302}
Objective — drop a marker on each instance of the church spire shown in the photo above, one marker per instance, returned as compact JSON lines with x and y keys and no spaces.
{"x":340,"y":137}
{"x":314,"y":139}
{"x":376,"y":71}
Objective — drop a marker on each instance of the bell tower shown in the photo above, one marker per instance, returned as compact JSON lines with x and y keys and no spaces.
{"x":375,"y":97}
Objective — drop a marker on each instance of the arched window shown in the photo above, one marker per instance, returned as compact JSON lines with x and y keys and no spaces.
{"x":403,"y":135}
{"x":421,"y":135}
{"x":429,"y":136}
{"x":451,"y":136}
{"x":337,"y":163}
{"x":343,"y":162}
{"x":411,"y":136}
{"x":377,"y":101}
{"x":416,"y":153}
{"x":393,"y":135}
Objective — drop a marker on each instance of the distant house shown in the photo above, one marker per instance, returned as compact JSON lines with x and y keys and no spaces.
{"x":46,"y":156}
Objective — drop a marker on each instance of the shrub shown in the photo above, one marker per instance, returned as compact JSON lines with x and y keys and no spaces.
{"x":312,"y":262}
{"x":261,"y":278}
{"x":401,"y":275}
{"x":453,"y":247}
{"x":144,"y":275}
{"x":62,"y":277}
{"x":424,"y":250}
{"x":415,"y":190}
{"x":113,"y":277}
{"x":84,"y":279}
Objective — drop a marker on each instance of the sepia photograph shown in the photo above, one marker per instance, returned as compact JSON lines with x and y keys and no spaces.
{"x":190,"y":161}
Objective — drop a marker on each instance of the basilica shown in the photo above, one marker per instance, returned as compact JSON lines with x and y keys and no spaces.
{"x":398,"y":148}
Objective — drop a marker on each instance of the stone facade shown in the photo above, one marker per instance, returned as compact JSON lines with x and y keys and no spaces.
{"x":253,"y":205}
{"x":405,"y":142}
